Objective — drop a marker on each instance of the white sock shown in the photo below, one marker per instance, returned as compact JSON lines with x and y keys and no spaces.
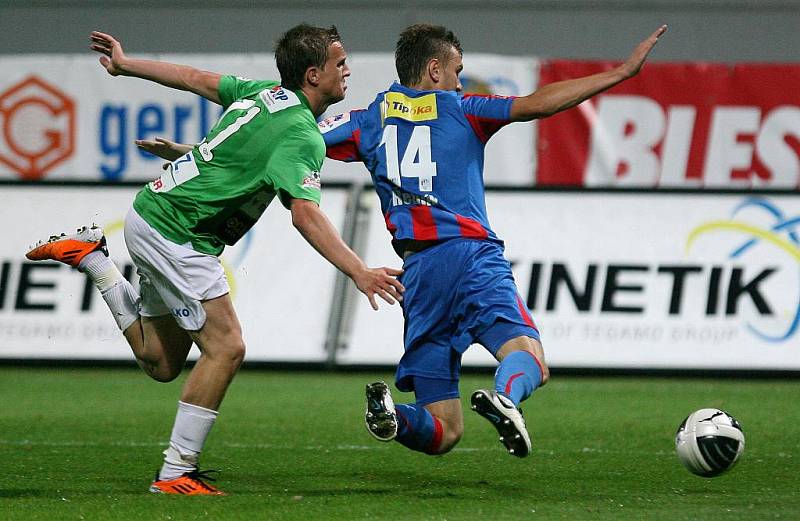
{"x":122,"y":299}
{"x":101,"y":270}
{"x":124,"y":303}
{"x":192,"y":425}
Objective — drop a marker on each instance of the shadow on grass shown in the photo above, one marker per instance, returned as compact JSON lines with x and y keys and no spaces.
{"x":21,"y":492}
{"x":408,"y":486}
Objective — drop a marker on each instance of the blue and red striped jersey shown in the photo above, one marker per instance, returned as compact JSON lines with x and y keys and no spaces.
{"x":424,"y":150}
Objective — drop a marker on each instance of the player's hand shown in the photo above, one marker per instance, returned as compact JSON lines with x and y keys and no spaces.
{"x":163,"y":148}
{"x":380,"y":281}
{"x":111,"y":49}
{"x":634,"y":63}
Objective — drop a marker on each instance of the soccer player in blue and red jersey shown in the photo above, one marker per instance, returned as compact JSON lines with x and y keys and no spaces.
{"x":423,"y":142}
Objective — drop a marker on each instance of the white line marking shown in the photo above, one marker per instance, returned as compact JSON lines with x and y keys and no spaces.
{"x":317,"y":448}
{"x":234,"y":445}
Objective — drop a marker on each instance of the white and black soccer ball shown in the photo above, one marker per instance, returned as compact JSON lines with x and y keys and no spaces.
{"x":709,"y":442}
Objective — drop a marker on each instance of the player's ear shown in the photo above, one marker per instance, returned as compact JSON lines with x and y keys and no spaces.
{"x":312,"y":76}
{"x":434,"y":70}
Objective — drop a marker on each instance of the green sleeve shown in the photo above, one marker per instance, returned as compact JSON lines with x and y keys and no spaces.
{"x":232,"y":88}
{"x":294,"y":168}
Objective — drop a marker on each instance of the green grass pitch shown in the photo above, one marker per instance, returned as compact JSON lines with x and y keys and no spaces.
{"x":84,"y":444}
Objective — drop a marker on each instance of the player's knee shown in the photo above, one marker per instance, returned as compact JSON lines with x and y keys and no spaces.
{"x":450,"y":440}
{"x":164,"y":376}
{"x":451,"y":435}
{"x":545,"y":372}
{"x":234,"y":351}
{"x":159,"y":370}
{"x":539,"y":356}
{"x":537,"y":352}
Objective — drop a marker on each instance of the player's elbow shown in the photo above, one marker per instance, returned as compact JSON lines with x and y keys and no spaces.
{"x":303,"y":213}
{"x":530,"y":112}
{"x":203,"y":83}
{"x":538,"y":105}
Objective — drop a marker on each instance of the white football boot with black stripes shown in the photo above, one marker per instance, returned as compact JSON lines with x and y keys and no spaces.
{"x":506,"y":418}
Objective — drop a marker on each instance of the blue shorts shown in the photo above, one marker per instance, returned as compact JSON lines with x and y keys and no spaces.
{"x":457,"y":293}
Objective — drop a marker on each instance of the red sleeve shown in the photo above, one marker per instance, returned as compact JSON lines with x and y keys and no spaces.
{"x":342,"y":136}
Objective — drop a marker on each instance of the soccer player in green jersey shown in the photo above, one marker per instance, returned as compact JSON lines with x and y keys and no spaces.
{"x":265,"y":145}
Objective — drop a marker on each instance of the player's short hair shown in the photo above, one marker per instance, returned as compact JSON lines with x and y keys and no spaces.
{"x":301,"y":47}
{"x":418,"y":44}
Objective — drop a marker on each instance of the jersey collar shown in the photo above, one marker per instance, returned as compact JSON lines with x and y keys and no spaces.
{"x":303,"y":98}
{"x":408,"y":91}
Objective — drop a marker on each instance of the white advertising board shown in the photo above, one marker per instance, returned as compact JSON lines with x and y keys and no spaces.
{"x":282,"y":288}
{"x":686,"y":281}
{"x":65,"y":117}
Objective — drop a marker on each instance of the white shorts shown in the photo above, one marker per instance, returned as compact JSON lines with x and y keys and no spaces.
{"x":174,"y":279}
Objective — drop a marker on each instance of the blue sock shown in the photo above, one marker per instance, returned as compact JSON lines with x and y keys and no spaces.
{"x":418,"y":429}
{"x":518,"y":376}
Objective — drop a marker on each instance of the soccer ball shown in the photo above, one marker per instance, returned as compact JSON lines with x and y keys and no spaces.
{"x":709,"y":442}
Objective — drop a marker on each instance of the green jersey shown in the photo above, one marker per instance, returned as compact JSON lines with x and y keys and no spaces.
{"x":266,"y":143}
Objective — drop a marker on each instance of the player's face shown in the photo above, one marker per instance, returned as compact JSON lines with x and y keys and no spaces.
{"x":333,"y":76}
{"x":452,"y":68}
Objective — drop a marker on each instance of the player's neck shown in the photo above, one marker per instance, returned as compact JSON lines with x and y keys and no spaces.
{"x":425,"y":84}
{"x":316,"y":101}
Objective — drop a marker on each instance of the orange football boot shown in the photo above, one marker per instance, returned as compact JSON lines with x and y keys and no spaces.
{"x":189,"y":484}
{"x":70,"y":249}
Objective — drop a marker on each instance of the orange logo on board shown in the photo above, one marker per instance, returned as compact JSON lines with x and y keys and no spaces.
{"x":37,"y":127}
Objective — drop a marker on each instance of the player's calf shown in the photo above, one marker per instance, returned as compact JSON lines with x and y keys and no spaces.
{"x":518,"y":376}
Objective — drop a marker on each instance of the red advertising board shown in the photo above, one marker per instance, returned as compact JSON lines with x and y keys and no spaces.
{"x":676,"y":125}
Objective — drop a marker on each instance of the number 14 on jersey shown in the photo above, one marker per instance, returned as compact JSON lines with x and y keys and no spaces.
{"x":416,"y":160}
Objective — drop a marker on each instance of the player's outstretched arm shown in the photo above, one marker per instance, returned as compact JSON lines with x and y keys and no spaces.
{"x":561,"y":95}
{"x":182,"y":77}
{"x":320,"y":233}
{"x":163,"y":148}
